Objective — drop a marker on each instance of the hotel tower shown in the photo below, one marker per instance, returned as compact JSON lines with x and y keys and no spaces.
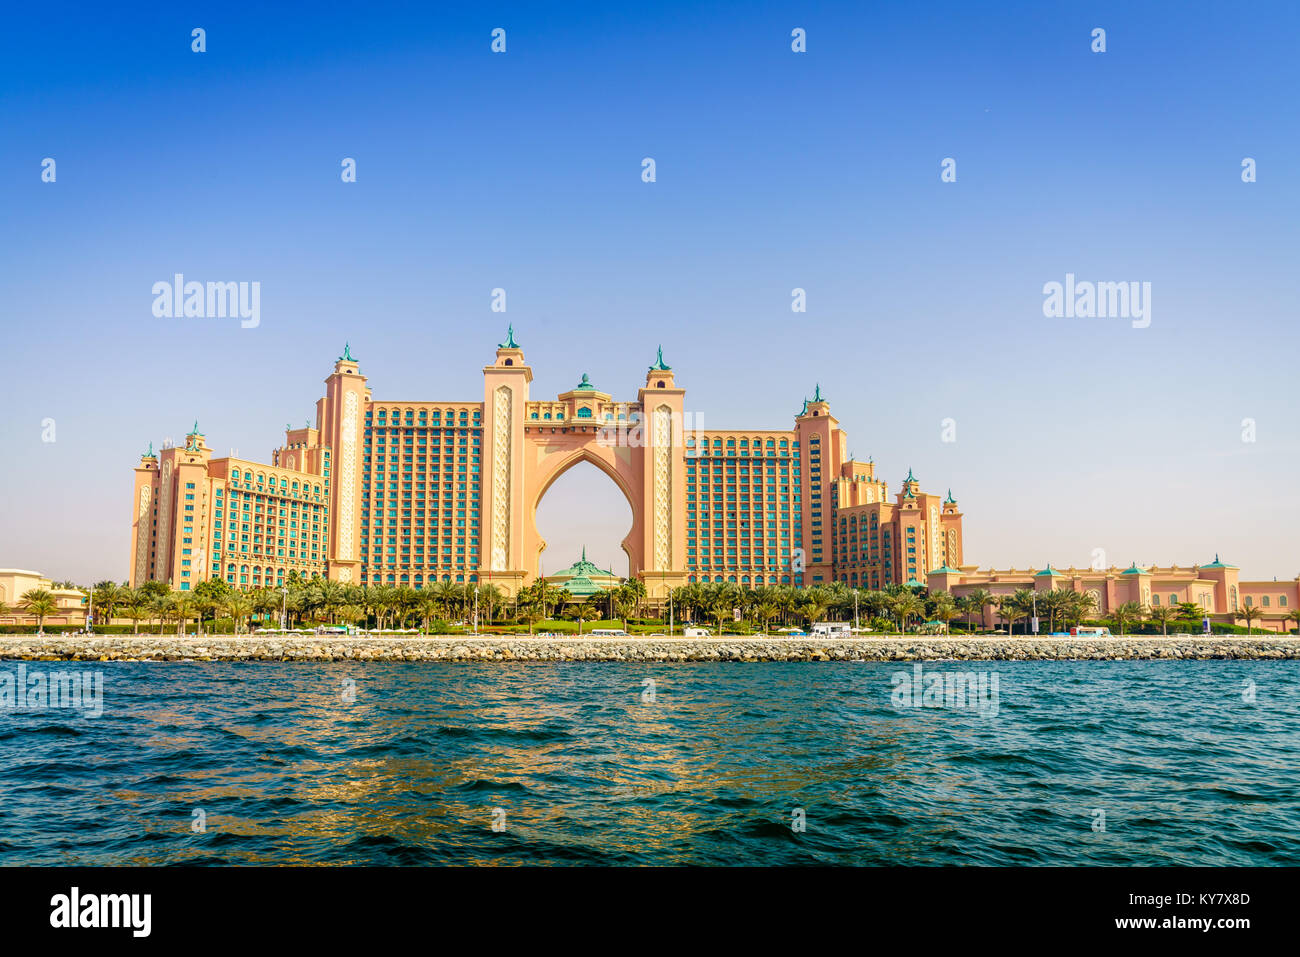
{"x":408,"y":493}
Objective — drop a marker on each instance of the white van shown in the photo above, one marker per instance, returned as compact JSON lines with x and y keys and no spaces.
{"x":697,"y":633}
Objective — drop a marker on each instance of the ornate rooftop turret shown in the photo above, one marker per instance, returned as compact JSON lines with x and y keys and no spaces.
{"x":585,"y":383}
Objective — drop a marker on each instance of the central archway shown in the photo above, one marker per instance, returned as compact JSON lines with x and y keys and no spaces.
{"x":584,"y":510}
{"x":617,"y":464}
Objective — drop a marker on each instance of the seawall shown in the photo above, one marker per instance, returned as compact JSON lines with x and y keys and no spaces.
{"x":524,"y":648}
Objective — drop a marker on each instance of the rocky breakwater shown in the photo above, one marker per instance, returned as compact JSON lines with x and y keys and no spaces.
{"x":525,"y":648}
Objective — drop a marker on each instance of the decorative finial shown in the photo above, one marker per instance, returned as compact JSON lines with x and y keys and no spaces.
{"x":909,"y":475}
{"x":288,"y":427}
{"x":149,"y":454}
{"x":195,"y":430}
{"x":510,"y":339}
{"x":584,"y":553}
{"x":660,"y":365}
{"x":347,"y":353}
{"x":817,"y":393}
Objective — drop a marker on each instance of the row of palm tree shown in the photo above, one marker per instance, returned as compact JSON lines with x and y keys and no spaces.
{"x":895,"y":606}
{"x":385,"y":606}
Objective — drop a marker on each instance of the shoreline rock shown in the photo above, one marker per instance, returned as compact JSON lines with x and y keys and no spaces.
{"x":512,"y":648}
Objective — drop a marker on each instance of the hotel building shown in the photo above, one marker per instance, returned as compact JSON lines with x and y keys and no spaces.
{"x":1214,"y":587}
{"x":408,"y":493}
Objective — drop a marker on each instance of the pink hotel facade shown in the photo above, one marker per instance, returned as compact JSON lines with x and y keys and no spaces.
{"x":410,"y":493}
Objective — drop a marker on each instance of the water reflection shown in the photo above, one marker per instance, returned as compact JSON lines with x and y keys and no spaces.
{"x":364,"y":763}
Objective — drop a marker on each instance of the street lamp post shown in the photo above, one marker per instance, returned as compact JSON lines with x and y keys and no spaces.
{"x":284,"y":607}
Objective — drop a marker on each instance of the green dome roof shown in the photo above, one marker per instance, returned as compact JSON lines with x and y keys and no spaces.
{"x":1050,"y":572}
{"x":1218,"y":564}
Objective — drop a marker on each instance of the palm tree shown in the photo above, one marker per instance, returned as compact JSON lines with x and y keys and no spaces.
{"x":945,"y":608}
{"x":979,"y":599}
{"x":106,"y":596}
{"x":450,"y":594}
{"x":1055,"y":602}
{"x":181,"y":607}
{"x":427,"y":607}
{"x":1294,"y":615}
{"x":239,"y":606}
{"x":531,"y":610}
{"x":350,"y":613}
{"x":765,"y":609}
{"x":1163,"y":615}
{"x":636,"y":590}
{"x":1250,"y":613}
{"x":1190,"y":612}
{"x":1125,"y":613}
{"x":1010,"y":610}
{"x":907,"y":606}
{"x":39,"y":603}
{"x":135,"y":605}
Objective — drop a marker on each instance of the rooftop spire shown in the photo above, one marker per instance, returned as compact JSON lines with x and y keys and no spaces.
{"x":660,"y":365}
{"x":817,"y":393}
{"x":510,"y":339}
{"x":347,"y":353}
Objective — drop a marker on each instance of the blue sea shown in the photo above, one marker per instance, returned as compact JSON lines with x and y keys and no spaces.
{"x":1059,"y":763}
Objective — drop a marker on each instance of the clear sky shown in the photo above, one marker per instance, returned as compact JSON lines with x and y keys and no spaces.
{"x":775,"y":170}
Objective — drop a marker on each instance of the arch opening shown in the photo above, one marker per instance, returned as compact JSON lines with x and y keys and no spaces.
{"x":583,"y":507}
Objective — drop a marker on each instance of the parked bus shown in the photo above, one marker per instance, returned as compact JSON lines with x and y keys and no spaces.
{"x":607,"y":633}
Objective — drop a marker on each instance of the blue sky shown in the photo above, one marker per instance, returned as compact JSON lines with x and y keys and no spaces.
{"x":775,"y":170}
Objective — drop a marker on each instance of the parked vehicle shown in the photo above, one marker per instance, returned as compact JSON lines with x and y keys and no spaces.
{"x":697,"y":633}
